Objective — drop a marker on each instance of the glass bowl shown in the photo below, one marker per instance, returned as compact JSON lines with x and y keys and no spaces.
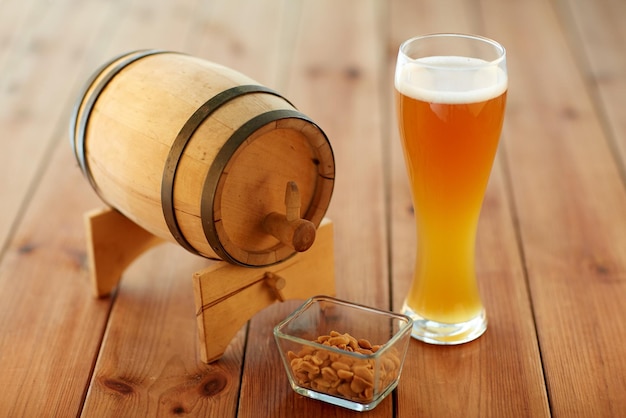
{"x":343,"y":353}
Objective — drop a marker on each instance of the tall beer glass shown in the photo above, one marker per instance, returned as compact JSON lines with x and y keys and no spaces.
{"x":450,"y":98}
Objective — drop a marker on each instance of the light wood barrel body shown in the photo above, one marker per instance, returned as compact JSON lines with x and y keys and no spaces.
{"x":199,"y":154}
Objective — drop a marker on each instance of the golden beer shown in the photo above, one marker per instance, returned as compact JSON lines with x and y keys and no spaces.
{"x":450,"y":111}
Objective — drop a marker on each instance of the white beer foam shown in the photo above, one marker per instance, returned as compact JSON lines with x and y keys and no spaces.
{"x":450,"y":80}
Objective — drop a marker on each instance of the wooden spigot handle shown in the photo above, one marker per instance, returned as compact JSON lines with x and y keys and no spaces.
{"x":277,"y":284}
{"x":289,"y":228}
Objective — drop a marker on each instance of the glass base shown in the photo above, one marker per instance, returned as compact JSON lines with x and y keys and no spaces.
{"x":343,"y":402}
{"x":442,"y":333}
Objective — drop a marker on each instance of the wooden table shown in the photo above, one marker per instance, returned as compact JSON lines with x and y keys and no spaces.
{"x":552,"y":235}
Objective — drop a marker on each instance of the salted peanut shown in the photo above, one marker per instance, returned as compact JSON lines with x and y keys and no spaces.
{"x":295,"y":363}
{"x":309,"y":368}
{"x":388,"y":364}
{"x":395,"y":359}
{"x":345,"y":374}
{"x":291,"y":355}
{"x":358,"y":385}
{"x":353,"y":343}
{"x":321,"y":383}
{"x":364,"y":373}
{"x":305,"y":350}
{"x":349,"y":360}
{"x":302,"y":378}
{"x":329,"y":374}
{"x":344,"y":389}
{"x":363,"y":343}
{"x":323,"y":338}
{"x":339,"y":340}
{"x":359,"y":362}
{"x":338,"y":365}
{"x":334,"y":334}
{"x":316,"y":360}
{"x":367,"y":394}
{"x":322,"y":355}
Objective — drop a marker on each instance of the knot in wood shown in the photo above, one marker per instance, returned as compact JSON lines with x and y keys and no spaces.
{"x":213,"y":384}
{"x":117,"y":385}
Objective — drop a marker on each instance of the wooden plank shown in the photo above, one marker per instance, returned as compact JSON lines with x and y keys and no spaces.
{"x":15,"y":18}
{"x":472,"y":379}
{"x":335,"y":79}
{"x":218,"y":36}
{"x":570,"y":204}
{"x":141,"y":24}
{"x":149,"y":364}
{"x":39,"y":54}
{"x":50,"y":328}
{"x":596,"y":30}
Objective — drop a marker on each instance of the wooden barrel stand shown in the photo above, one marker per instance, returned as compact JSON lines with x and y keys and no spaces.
{"x":226,"y":295}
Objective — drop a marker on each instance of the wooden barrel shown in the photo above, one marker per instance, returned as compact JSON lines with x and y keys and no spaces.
{"x":199,"y":154}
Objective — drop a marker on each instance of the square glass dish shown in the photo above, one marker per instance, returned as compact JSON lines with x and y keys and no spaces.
{"x":343,"y":353}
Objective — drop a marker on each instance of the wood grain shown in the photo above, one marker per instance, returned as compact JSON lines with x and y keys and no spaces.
{"x":594,"y":32}
{"x":149,"y":364}
{"x":50,"y":325}
{"x":36,"y":56}
{"x":50,"y":330}
{"x":570,"y":203}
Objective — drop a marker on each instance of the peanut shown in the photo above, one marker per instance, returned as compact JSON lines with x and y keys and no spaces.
{"x":364,"y":372}
{"x":344,"y":375}
{"x":323,"y":338}
{"x":359,"y":384}
{"x":364,"y":344}
{"x":339,"y":340}
{"x":345,"y":390}
{"x":321,"y":383}
{"x":330,"y":374}
{"x":322,"y":355}
{"x":337,"y":365}
{"x":316,"y":360}
{"x":309,"y":367}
